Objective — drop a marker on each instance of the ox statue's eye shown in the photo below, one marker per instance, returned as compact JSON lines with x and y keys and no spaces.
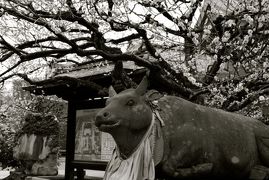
{"x":130,"y":102}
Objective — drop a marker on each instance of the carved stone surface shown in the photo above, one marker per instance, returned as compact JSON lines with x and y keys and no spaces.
{"x":38,"y":145}
{"x":199,"y":142}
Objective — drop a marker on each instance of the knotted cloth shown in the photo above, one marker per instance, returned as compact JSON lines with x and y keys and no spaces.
{"x":141,"y":164}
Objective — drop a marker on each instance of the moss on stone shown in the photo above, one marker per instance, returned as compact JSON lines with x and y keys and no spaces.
{"x":40,"y":125}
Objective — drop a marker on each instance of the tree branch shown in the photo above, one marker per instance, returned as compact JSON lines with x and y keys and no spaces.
{"x":10,"y":47}
{"x":192,"y":10}
{"x":236,"y":106}
{"x":178,"y":76}
{"x":21,"y":75}
{"x":213,"y":70}
{"x":124,"y":39}
{"x":254,"y":85}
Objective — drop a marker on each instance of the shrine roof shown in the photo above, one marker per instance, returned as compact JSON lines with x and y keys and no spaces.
{"x":81,"y":82}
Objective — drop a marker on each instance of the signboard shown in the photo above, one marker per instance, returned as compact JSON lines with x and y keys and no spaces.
{"x":90,"y":143}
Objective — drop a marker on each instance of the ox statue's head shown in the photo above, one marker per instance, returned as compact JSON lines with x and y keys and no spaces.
{"x":126,"y":117}
{"x":126,"y":111}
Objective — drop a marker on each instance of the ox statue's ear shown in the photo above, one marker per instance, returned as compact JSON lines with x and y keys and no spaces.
{"x":142,"y":87}
{"x":111,"y":91}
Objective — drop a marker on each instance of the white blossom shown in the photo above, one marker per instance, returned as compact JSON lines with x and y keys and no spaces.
{"x":215,"y":90}
{"x":195,"y":41}
{"x":246,"y":39}
{"x":226,"y":36}
{"x":262,"y":18}
{"x":261,"y":98}
{"x":250,"y":31}
{"x":249,"y":19}
{"x":265,"y":64}
{"x":265,"y":75}
{"x":230,"y":23}
{"x":224,"y":39}
{"x":207,"y":31}
{"x":215,"y":40}
{"x":239,"y":87}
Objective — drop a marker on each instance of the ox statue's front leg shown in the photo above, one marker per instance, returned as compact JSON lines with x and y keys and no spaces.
{"x":199,"y":170}
{"x":185,"y":157}
{"x":196,"y":171}
{"x":259,"y":172}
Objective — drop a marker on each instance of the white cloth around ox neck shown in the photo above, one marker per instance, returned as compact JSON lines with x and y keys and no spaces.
{"x":141,"y":164}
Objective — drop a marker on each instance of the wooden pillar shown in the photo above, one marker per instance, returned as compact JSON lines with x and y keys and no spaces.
{"x":70,"y":140}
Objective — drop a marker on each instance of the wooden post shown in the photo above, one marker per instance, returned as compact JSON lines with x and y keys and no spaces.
{"x":80,"y":173}
{"x":70,"y":140}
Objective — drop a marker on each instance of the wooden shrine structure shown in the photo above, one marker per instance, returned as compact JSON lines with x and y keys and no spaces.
{"x":82,"y":89}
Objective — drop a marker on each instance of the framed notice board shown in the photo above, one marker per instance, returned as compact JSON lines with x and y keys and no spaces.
{"x":86,"y":146}
{"x":90,"y":143}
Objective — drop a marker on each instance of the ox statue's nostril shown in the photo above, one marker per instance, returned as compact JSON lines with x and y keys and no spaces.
{"x":106,"y":114}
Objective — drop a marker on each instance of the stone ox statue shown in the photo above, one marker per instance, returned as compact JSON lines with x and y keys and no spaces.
{"x":177,"y":139}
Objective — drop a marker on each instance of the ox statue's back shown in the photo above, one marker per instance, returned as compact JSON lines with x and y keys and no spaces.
{"x":195,"y":141}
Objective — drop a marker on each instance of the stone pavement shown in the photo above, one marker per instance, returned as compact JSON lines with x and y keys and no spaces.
{"x":61,"y":171}
{"x":90,"y":173}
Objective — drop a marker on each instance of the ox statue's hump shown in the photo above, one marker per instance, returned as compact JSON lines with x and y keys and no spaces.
{"x":228,"y":140}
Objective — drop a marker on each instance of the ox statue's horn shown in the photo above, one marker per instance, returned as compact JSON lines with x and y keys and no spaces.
{"x":142,"y":87}
{"x":111,"y":91}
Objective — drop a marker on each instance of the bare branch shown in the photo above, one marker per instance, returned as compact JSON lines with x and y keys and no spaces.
{"x":179,"y":77}
{"x":23,"y":76}
{"x":192,"y":10}
{"x":213,"y":70}
{"x":161,"y":9}
{"x":124,"y":39}
{"x":10,"y":47}
{"x":240,"y":105}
